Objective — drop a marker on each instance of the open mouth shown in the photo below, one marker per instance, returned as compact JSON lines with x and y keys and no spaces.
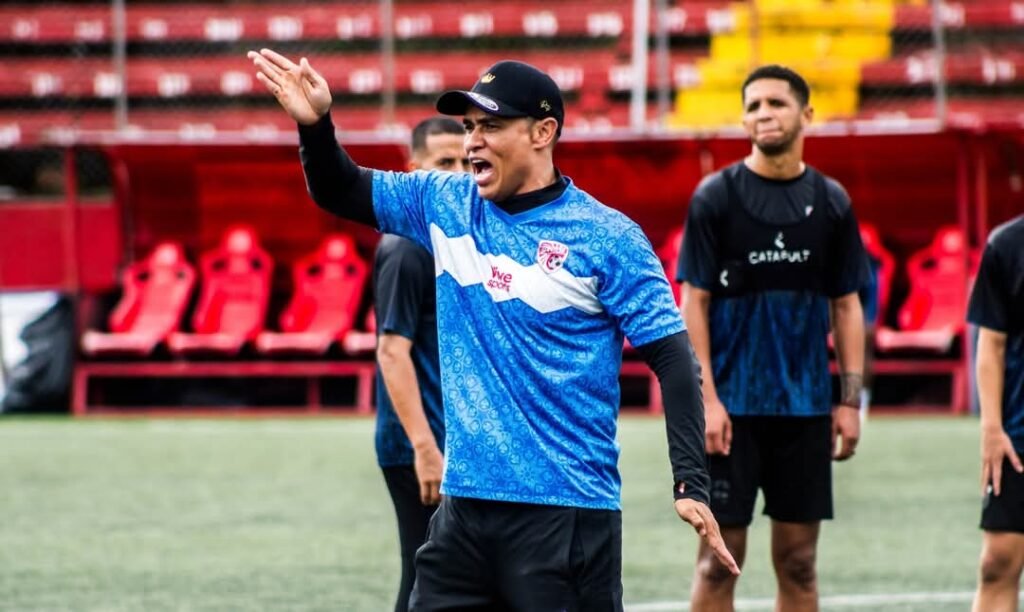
{"x":483,"y":171}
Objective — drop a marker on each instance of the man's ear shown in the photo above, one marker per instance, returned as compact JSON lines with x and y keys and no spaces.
{"x":544,"y":131}
{"x":808,"y":114}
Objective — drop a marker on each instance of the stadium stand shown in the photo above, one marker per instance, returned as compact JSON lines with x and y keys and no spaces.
{"x":186,"y":73}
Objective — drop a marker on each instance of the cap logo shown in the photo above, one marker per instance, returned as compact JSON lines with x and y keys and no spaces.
{"x":544,"y":104}
{"x":487,"y":78}
{"x":483,"y":101}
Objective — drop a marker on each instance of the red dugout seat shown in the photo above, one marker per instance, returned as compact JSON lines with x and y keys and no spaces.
{"x":933,"y":314}
{"x":328,"y":290}
{"x":358,"y":342}
{"x":668,"y":253}
{"x":887,"y":264}
{"x":233,"y":302}
{"x":156,"y":293}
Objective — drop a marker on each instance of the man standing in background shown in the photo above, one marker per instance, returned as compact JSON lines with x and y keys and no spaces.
{"x":410,"y":415}
{"x":997,"y":308}
{"x":772,"y":253}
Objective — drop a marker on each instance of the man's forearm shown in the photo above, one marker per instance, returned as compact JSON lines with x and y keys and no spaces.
{"x":673,"y":362}
{"x":399,"y":376}
{"x":848,"y":330}
{"x":333,"y":179}
{"x":991,"y":370}
{"x":695,"y":312}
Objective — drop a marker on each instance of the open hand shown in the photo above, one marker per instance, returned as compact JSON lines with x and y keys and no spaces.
{"x":699,"y":516}
{"x":300,"y":90}
{"x":996,"y":445}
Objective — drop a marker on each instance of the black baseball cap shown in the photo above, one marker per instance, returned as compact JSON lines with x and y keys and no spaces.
{"x":508,"y":89}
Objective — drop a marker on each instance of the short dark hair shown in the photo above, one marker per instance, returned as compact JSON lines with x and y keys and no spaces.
{"x":775,"y":71}
{"x":431,"y":127}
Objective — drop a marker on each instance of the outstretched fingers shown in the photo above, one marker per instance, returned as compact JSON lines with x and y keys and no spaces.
{"x":699,"y":516}
{"x":278,"y":60}
{"x":267,"y":70}
{"x":713,"y":535}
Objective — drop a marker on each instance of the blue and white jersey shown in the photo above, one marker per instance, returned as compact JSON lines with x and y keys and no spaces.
{"x":531,"y":313}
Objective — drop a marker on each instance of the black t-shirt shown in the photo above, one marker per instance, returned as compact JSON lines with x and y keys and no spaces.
{"x":776,"y":204}
{"x":405,"y":304}
{"x":997,"y":303}
{"x":771,"y":253}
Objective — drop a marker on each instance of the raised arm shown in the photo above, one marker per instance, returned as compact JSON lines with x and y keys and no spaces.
{"x":334,"y":181}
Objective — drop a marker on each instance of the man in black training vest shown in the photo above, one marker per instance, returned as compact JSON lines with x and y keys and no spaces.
{"x":997,"y":308}
{"x":771,"y":254}
{"x":410,"y":415}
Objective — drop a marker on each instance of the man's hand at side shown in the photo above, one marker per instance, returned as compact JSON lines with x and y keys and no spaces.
{"x":429,"y":465}
{"x":699,"y":516}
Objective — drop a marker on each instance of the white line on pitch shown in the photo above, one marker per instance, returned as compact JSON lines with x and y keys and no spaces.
{"x":832,"y":601}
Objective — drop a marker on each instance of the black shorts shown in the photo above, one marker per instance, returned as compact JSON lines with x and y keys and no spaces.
{"x":789,"y":458}
{"x":1005,"y":512}
{"x":487,"y":555}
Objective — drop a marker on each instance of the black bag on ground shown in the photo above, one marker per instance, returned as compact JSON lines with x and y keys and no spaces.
{"x":41,"y":382}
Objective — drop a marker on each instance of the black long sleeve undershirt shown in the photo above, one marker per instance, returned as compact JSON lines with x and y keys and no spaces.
{"x":675,"y":364}
{"x":333,"y":179}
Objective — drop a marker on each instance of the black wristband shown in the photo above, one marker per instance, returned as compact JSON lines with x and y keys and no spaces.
{"x":850,"y":386}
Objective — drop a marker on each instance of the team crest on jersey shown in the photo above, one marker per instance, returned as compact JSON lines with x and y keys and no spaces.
{"x":551,"y":255}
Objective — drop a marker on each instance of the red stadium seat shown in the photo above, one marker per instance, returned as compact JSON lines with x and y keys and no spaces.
{"x":156,"y":293}
{"x":887,"y":264}
{"x":328,"y":290}
{"x":358,"y":342}
{"x":933,"y":314}
{"x":668,"y":253}
{"x":233,"y":302}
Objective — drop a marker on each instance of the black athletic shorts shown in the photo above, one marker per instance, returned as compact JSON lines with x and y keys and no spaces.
{"x":1005,"y":512}
{"x":789,"y":458}
{"x":486,"y":555}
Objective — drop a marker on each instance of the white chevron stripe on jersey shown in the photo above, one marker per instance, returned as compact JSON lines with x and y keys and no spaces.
{"x":505,"y":279}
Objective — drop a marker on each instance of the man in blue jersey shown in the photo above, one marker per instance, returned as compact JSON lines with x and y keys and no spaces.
{"x":537,"y":285}
{"x":997,"y":308}
{"x":410,"y":415}
{"x":772,"y":255}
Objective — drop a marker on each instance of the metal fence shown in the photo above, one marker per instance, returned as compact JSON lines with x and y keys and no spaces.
{"x":77,"y":67}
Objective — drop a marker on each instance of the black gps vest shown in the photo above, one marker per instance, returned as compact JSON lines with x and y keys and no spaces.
{"x":756,"y":255}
